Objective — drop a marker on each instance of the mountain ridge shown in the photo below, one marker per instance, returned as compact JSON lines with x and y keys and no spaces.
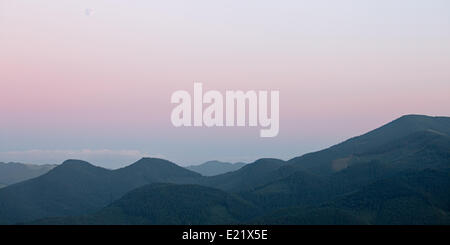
{"x":14,"y":172}
{"x":211,"y":168}
{"x":314,"y":188}
{"x":320,"y":162}
{"x":77,"y":187}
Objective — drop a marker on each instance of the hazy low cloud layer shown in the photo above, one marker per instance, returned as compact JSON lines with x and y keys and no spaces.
{"x":104,"y":157}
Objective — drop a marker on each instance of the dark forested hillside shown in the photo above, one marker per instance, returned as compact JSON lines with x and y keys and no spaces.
{"x":341,"y":155}
{"x":396,"y":174}
{"x":77,"y":187}
{"x":169,"y":204}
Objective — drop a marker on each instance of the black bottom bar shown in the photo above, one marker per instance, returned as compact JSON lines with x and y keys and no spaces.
{"x":223,"y":234}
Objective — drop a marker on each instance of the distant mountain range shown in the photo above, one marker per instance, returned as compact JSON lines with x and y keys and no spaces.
{"x":13,"y":172}
{"x":396,"y":174}
{"x":77,"y":187}
{"x":212,"y":168}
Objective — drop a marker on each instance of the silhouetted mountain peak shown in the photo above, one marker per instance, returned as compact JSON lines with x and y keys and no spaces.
{"x":405,"y":128}
{"x":150,"y":162}
{"x":75,"y":164}
{"x":412,"y":123}
{"x":365,"y":177}
{"x":268,"y":161}
{"x":413,"y":117}
{"x":146,"y":159}
{"x":75,"y":187}
{"x":156,"y":170}
{"x":418,"y":117}
{"x":72,"y":166}
{"x":263,"y":163}
{"x":406,"y":125}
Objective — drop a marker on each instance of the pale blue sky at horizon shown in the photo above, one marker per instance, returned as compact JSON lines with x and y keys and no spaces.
{"x":92,"y":79}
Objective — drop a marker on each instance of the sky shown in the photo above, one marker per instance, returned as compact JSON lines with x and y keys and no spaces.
{"x":92,"y":79}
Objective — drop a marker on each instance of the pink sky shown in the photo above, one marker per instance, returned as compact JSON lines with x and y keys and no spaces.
{"x":72,"y":81}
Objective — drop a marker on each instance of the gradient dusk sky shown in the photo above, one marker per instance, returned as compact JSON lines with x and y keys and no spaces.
{"x":92,"y":79}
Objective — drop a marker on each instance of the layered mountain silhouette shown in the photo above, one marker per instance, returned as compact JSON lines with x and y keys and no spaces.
{"x":340,"y":156}
{"x":396,"y":174}
{"x":248,"y":177}
{"x":346,"y":168}
{"x":77,"y":187}
{"x":212,"y":168}
{"x":13,"y":172}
